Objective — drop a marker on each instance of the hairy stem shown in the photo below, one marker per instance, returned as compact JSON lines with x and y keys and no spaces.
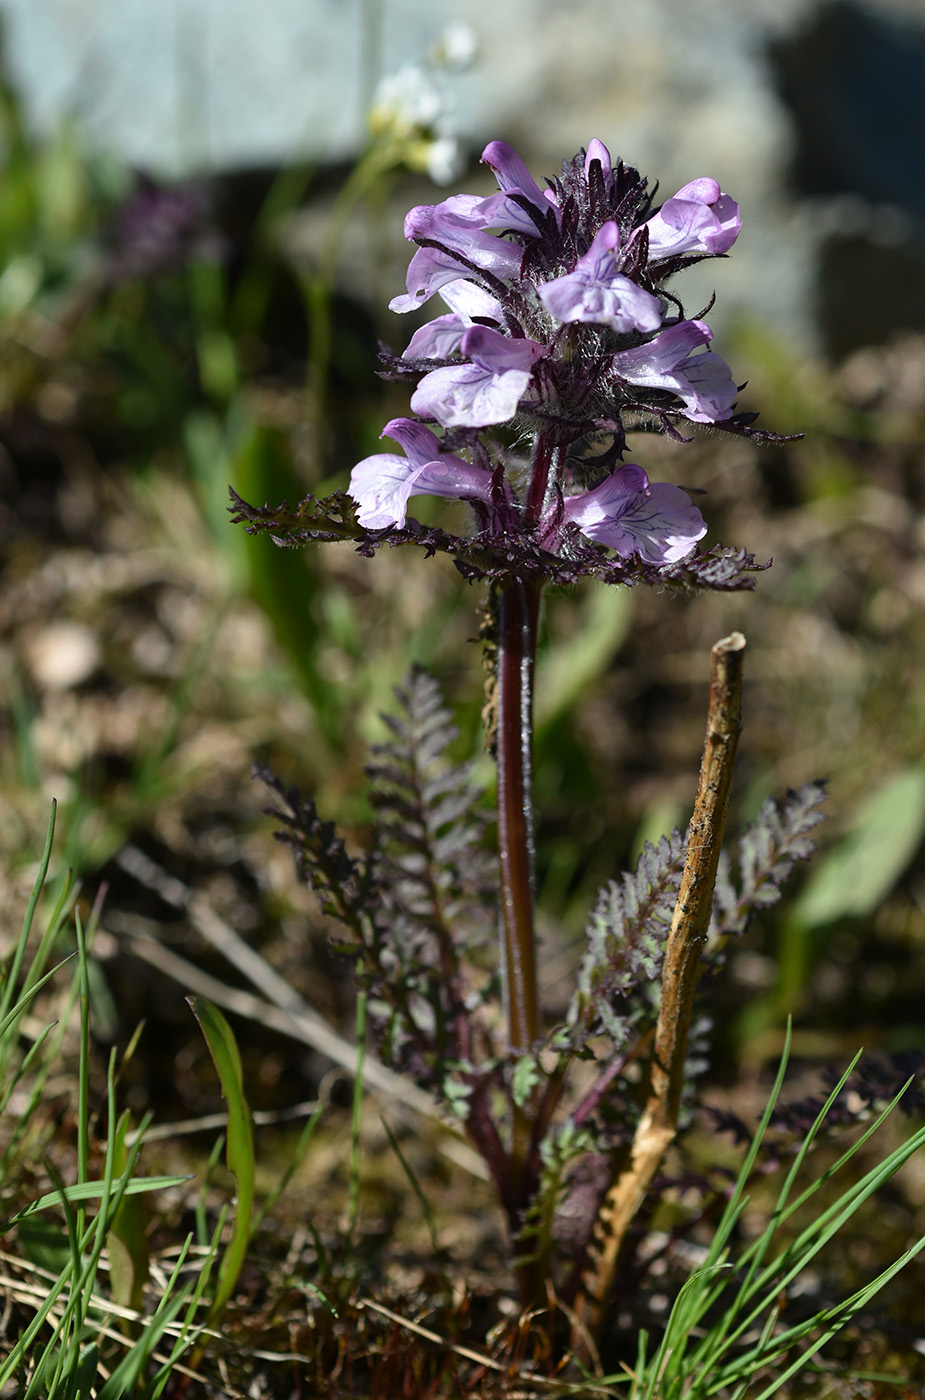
{"x":688,"y":932}
{"x":518,"y":609}
{"x":517,"y":622}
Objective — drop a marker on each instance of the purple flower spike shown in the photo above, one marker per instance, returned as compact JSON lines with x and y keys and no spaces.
{"x":698,"y":219}
{"x":484,"y":392}
{"x":660,"y":523}
{"x":596,"y":292}
{"x":704,"y":382}
{"x":381,"y":485}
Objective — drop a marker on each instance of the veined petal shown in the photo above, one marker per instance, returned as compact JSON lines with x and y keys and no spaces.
{"x":511,"y":173}
{"x":514,"y":178}
{"x":595,"y":292}
{"x":608,"y":501}
{"x":382,"y":484}
{"x":470,"y":396}
{"x":662,"y":354}
{"x":711,"y":389}
{"x":658,"y":522}
{"x":438,"y":340}
{"x":455,"y":479}
{"x":497,"y":352}
{"x":420,"y":444}
{"x":432,"y":268}
{"x":468,"y":301}
{"x":703,"y":381}
{"x":698,"y":219}
{"x":459,"y":208}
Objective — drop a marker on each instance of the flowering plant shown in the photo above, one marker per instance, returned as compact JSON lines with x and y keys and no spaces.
{"x":560,"y":335}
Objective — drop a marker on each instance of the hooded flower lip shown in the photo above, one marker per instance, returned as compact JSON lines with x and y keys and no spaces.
{"x":659,"y":523}
{"x":698,"y":219}
{"x":487,"y":390}
{"x":464,"y":246}
{"x":703,"y":381}
{"x":515,"y":179}
{"x":381,"y":485}
{"x":595,"y":292}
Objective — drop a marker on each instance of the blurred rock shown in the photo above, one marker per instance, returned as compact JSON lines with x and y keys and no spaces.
{"x":62,"y":655}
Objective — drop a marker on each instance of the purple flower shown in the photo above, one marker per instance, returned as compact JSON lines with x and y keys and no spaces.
{"x":698,"y":219}
{"x":502,"y":210}
{"x":382,"y":485}
{"x":594,"y":291}
{"x":703,"y":381}
{"x":660,"y":523}
{"x":464,"y":245}
{"x":440,"y":338}
{"x":484,"y":392}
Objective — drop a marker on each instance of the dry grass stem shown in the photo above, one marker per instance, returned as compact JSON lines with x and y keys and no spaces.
{"x":687,"y":935}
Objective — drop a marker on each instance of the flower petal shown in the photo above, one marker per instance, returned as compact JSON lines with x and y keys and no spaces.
{"x":437,"y":340}
{"x":703,"y":381}
{"x":432,"y":268}
{"x":698,"y":219}
{"x":498,"y":352}
{"x":470,"y":396}
{"x":382,"y":484}
{"x":658,"y":522}
{"x":595,"y":292}
{"x":599,"y":152}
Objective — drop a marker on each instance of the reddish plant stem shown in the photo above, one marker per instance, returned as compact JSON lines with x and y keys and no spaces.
{"x":542,"y":472}
{"x":518,"y":610}
{"x":518,"y":605}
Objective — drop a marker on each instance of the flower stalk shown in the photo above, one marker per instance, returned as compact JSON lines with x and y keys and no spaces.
{"x":518,"y":606}
{"x":559,"y":326}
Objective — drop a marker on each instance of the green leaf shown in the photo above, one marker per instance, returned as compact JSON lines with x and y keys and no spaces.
{"x":525,"y":1079}
{"x":240,"y":1151}
{"x":43,"y":1243}
{"x":129,"y":1259}
{"x":855,"y":877}
{"x":88,"y":1191}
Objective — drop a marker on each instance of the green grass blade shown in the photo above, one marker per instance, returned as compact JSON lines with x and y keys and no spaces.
{"x":89,"y":1191}
{"x":700,"y":1293}
{"x":240,"y":1147}
{"x":27,"y":996}
{"x":20,"y":950}
{"x":129,"y":1256}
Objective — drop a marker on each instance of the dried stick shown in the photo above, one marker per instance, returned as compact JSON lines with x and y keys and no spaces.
{"x":687,"y":935}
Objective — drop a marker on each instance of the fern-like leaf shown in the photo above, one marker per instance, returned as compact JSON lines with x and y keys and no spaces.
{"x":432,"y":864}
{"x":768,"y":851}
{"x":618,"y":977}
